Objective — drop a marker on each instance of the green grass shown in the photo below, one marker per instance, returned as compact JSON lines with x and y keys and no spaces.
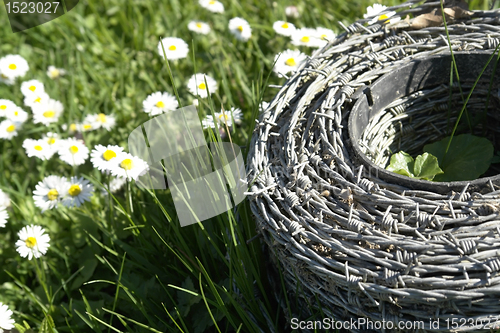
{"x":108,"y":270}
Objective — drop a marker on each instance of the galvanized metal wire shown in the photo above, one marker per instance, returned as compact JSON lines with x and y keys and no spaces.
{"x":362,"y":246}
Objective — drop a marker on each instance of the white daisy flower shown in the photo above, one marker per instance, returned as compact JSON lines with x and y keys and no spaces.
{"x":36,"y":99}
{"x":199,"y":27}
{"x":97,"y":121}
{"x":158,"y":103}
{"x":228,"y":116}
{"x":72,"y":128}
{"x":8,"y":129}
{"x":375,"y":10}
{"x":197,"y":86}
{"x":288,"y":61}
{"x":77,"y":191}
{"x":240,"y":29}
{"x":4,"y":199}
{"x":103,"y":157}
{"x":3,"y":221}
{"x":223,"y":117}
{"x":53,"y":141}
{"x":49,"y":192}
{"x":13,"y":66}
{"x":114,"y":185}
{"x":129,"y":166}
{"x":212,"y":5}
{"x":51,"y":138}
{"x":292,"y":11}
{"x":6,"y":322}
{"x":6,"y":106}
{"x":38,"y":148}
{"x":284,"y":28}
{"x":306,"y":37}
{"x":32,"y":87}
{"x":73,"y":151}
{"x":17,"y":115}
{"x":106,"y":121}
{"x":54,"y":72}
{"x":86,"y":126}
{"x":33,"y":242}
{"x":175,"y":48}
{"x":47,"y":113}
{"x":325,"y":35}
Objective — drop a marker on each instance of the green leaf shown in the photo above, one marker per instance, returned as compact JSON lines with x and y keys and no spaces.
{"x":426,"y":167}
{"x":401,"y":163}
{"x":468,"y":157}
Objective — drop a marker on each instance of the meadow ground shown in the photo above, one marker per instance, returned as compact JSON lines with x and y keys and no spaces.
{"x":120,"y":261}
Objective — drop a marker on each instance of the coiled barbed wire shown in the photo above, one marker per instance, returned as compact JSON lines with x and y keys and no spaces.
{"x":389,"y":252}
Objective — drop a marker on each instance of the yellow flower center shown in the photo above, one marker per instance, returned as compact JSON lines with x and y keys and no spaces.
{"x":108,"y":154}
{"x":305,"y":39}
{"x":240,"y":28}
{"x":3,"y":107}
{"x":73,"y":149}
{"x":87,"y":127}
{"x":323,"y":36}
{"x":32,"y":88}
{"x":290,"y":62}
{"x":211,"y":3}
{"x":72,"y":127}
{"x":198,"y":24}
{"x":31,"y":242}
{"x":102,"y":117}
{"x":51,"y":141}
{"x":284,"y":25}
{"x":49,"y":114}
{"x":16,"y":113}
{"x":202,"y":86}
{"x":38,"y":100}
{"x":172,"y":48}
{"x":53,"y":194}
{"x":74,"y":190}
{"x":12,"y":66}
{"x":54,"y":73}
{"x":160,"y":104}
{"x":39,"y":148}
{"x":11,"y":128}
{"x":383,"y":17}
{"x":223,"y":116}
{"x":127,"y":164}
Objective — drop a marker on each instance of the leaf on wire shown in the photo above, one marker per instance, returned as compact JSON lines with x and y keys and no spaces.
{"x":453,"y":11}
{"x":457,"y":13}
{"x":432,"y":19}
{"x":401,"y":163}
{"x":467,"y":158}
{"x":425,"y":166}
